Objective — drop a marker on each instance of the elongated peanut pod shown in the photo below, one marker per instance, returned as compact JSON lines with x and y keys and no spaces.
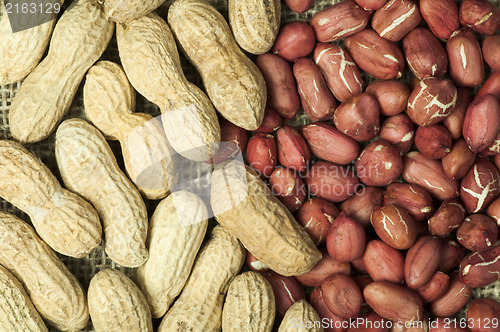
{"x":88,"y":167}
{"x":109,"y":101}
{"x":68,"y":223}
{"x":80,"y":37}
{"x":150,"y":59}
{"x":55,"y":292}
{"x":127,"y":10}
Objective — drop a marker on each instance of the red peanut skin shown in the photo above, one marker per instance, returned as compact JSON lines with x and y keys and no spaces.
{"x":473,"y":13}
{"x":294,"y":40}
{"x":399,"y":131}
{"x":371,"y":4}
{"x":359,"y":266}
{"x":491,"y":52}
{"x":235,"y":141}
{"x":339,"y":21}
{"x":411,"y":197}
{"x":289,"y":187}
{"x":494,"y":210}
{"x":299,"y":6}
{"x":422,"y":261}
{"x":287,"y":291}
{"x":441,"y":16}
{"x":429,"y":173}
{"x":454,"y":299}
{"x":341,"y":73}
{"x":491,"y":86}
{"x":478,"y":232}
{"x":316,"y":98}
{"x":358,"y":117}
{"x":465,"y":59}
{"x":447,"y":218}
{"x":480,"y":186}
{"x":451,"y":255}
{"x":392,"y":96}
{"x":342,"y":295}
{"x":480,"y":269}
{"x":379,"y":164}
{"x":328,"y":143}
{"x":370,"y":322}
{"x":370,"y":51}
{"x":318,"y":303}
{"x":393,"y":302}
{"x":493,"y":149}
{"x":435,"y":288}
{"x":346,"y":239}
{"x":405,"y":12}
{"x":282,"y":95}
{"x":316,"y":216}
{"x":272,"y":122}
{"x":261,"y":154}
{"x":394,"y":226}
{"x":254,"y":264}
{"x":325,"y":268}
{"x":383,"y":262}
{"x":482,"y":312}
{"x":444,"y":325}
{"x":455,"y":120}
{"x":361,"y":204}
{"x":293,"y":151}
{"x":433,"y":141}
{"x":481,"y":123}
{"x":424,"y":53}
{"x":458,"y":162}
{"x":330,"y":181}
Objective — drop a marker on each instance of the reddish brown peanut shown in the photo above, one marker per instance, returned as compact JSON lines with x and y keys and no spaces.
{"x":289,"y":187}
{"x":272,"y":122}
{"x":254,"y":264}
{"x":328,"y":143}
{"x":491,"y":51}
{"x":481,"y":122}
{"x":465,"y":59}
{"x":411,"y":197}
{"x":377,"y":56}
{"x":422,"y":261}
{"x":431,"y":101}
{"x":394,"y":226}
{"x":457,"y":163}
{"x":318,"y":303}
{"x":441,"y":16}
{"x":478,"y":232}
{"x":454,"y":299}
{"x":339,"y":21}
{"x":331,"y":182}
{"x":494,"y":210}
{"x":383,"y":262}
{"x":261,"y":154}
{"x":393,"y":302}
{"x":371,"y":4}
{"x":379,"y":164}
{"x":234,"y":139}
{"x":493,"y":148}
{"x":447,"y":218}
{"x":286,"y":290}
{"x":316,"y":98}
{"x":424,"y":53}
{"x":361,"y":204}
{"x":433,"y":141}
{"x":341,"y":73}
{"x":346,"y":239}
{"x":481,"y":269}
{"x":480,"y":186}
{"x":480,"y":15}
{"x":282,"y":93}
{"x":396,"y":18}
{"x":299,"y":6}
{"x":491,"y":86}
{"x":392,"y":96}
{"x":342,"y":295}
{"x":435,"y":287}
{"x":455,"y":120}
{"x":325,"y":268}
{"x":484,"y":313}
{"x":358,"y":117}
{"x":316,"y":216}
{"x":451,"y":255}
{"x":293,"y":151}
{"x":295,"y":40}
{"x":398,"y":130}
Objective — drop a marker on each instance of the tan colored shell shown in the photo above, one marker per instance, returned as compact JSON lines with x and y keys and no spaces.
{"x":109,"y":102}
{"x":21,"y":51}
{"x":88,"y":167}
{"x":127,"y":10}
{"x":233,"y":82}
{"x":250,"y":304}
{"x":80,"y":37}
{"x":255,"y":23}
{"x":243,"y":203}
{"x":301,"y":317}
{"x":116,"y":304}
{"x":151,"y":61}
{"x":17,"y":313}
{"x":68,"y":223}
{"x":199,"y":307}
{"x":54,"y":291}
{"x":176,"y":232}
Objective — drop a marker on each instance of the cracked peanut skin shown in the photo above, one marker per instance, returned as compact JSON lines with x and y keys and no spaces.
{"x":176,"y":232}
{"x":80,"y":37}
{"x":233,"y":82}
{"x":116,"y":304}
{"x":199,"y":307}
{"x":123,"y":11}
{"x":54,"y":291}
{"x":68,"y":223}
{"x":302,"y":317}
{"x":151,"y":61}
{"x":89,"y":168}
{"x":18,"y":312}
{"x":244,"y":205}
